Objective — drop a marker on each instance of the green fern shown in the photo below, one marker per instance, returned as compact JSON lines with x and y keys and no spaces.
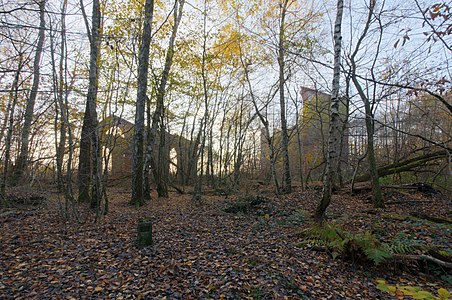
{"x":342,"y":243}
{"x":377,"y":255}
{"x":398,"y":248}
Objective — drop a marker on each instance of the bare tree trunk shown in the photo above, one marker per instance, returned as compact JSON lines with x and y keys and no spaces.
{"x":197,"y":193}
{"x":84,"y":160}
{"x":162,"y":184}
{"x":287,"y":180}
{"x":12,"y":108}
{"x":89,"y":160}
{"x":138,"y":141}
{"x":58,"y":83}
{"x":146,"y":175}
{"x":96,"y":194}
{"x":64,"y":180}
{"x":334,"y":139}
{"x":22,"y":161}
{"x":265,"y":123}
{"x":369,"y":118}
{"x":84,"y":164}
{"x":299,"y":142}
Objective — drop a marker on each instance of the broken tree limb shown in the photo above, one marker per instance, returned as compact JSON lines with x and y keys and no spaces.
{"x":423,"y":257}
{"x":404,"y":166}
{"x":430,"y":218}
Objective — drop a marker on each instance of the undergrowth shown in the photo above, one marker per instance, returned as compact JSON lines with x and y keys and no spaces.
{"x":358,"y":247}
{"x":245,"y":205}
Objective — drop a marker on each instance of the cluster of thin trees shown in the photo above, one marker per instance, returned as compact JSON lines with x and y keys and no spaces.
{"x":226,"y":76}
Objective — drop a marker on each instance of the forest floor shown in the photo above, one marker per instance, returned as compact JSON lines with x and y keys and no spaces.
{"x":203,"y":252}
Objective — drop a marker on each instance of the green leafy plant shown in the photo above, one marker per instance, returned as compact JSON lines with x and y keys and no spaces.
{"x":257,"y":294}
{"x":245,"y":205}
{"x":358,"y":246}
{"x":361,"y":246}
{"x":411,"y":291}
{"x":297,"y":217}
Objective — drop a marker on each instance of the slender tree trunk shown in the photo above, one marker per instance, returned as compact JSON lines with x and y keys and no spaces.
{"x":84,"y":160}
{"x":287,"y":180}
{"x":334,"y":138}
{"x":299,"y":142}
{"x":265,"y":123}
{"x":138,"y":142}
{"x":64,"y":179}
{"x":162,"y":184}
{"x":96,"y":194}
{"x":369,"y":118}
{"x":12,"y":108}
{"x":146,"y":175}
{"x":199,"y":180}
{"x":89,"y":159}
{"x":58,"y":83}
{"x":22,"y":161}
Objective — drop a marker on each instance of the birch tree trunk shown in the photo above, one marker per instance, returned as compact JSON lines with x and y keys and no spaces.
{"x":138,"y":140}
{"x":22,"y":161}
{"x":334,"y":139}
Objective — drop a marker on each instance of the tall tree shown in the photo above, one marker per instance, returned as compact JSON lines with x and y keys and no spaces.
{"x":368,"y":109}
{"x":138,"y":140}
{"x":199,"y":180}
{"x":12,"y":102}
{"x":287,"y":180}
{"x":157,"y":118}
{"x":64,"y":145}
{"x":334,"y":138}
{"x":22,"y":160}
{"x":89,"y":160}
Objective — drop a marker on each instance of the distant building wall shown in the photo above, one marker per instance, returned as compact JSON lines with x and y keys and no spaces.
{"x":313,"y":130}
{"x":117,"y":135}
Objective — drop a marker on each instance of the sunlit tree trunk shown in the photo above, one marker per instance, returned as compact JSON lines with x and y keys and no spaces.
{"x":22,"y":160}
{"x":334,"y":137}
{"x":138,"y":141}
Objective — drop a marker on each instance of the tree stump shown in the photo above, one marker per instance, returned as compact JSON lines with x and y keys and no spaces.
{"x":144,"y":237}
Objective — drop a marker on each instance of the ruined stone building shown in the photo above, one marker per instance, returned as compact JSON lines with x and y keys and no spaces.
{"x":117,"y":137}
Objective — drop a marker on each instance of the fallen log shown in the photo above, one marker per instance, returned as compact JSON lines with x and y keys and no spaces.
{"x":420,"y":187}
{"x":430,"y":218}
{"x":404,"y":166}
{"x":423,"y":257}
{"x":407,"y":201}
